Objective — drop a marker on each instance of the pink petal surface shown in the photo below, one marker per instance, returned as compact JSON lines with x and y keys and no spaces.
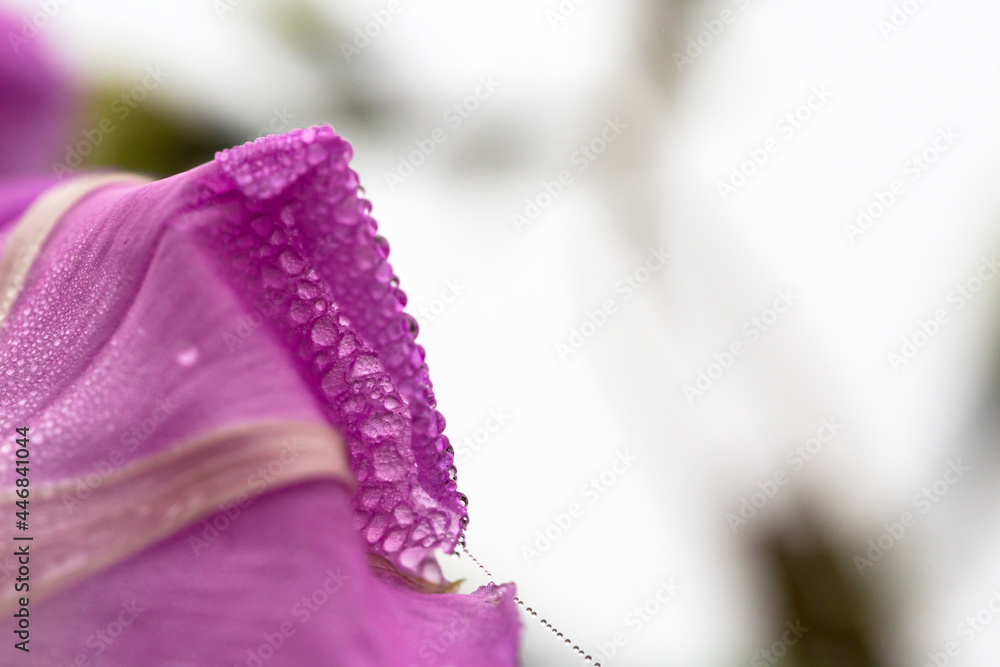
{"x":289,"y":564}
{"x":250,"y":290}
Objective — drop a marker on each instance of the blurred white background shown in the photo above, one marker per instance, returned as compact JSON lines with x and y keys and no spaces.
{"x":806,"y":111}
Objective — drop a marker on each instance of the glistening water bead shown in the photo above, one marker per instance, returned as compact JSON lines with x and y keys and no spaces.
{"x":529,"y":610}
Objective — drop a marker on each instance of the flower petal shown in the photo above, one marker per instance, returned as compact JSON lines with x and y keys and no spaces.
{"x":247,"y":292}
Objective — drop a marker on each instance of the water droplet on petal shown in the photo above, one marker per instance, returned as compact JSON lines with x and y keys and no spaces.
{"x":364,"y":366}
{"x":332,"y":382}
{"x":394,"y":542}
{"x":348,"y":212}
{"x":292,"y":262}
{"x":382,"y":245}
{"x":307,"y":290}
{"x":365,"y":257}
{"x":323,"y":333}
{"x":410,"y":325}
{"x":315,"y":154}
{"x":347,"y":345}
{"x":188,"y":356}
{"x":383,"y":272}
{"x":300,"y":312}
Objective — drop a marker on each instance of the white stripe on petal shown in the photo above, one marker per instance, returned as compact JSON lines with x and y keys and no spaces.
{"x":147,"y":500}
{"x":38,"y":221}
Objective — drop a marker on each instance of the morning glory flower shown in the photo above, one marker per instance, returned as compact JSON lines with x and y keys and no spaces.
{"x":233,"y":447}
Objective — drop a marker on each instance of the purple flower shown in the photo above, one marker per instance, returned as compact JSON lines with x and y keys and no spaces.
{"x":234,"y":453}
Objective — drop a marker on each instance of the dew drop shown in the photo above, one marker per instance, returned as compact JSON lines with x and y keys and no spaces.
{"x":348,"y":212}
{"x":363,"y":366}
{"x":300,"y":312}
{"x":365,"y":257}
{"x":410,"y":325}
{"x":394,"y":542}
{"x":315,"y":154}
{"x":332,"y":382}
{"x":272,"y":276}
{"x":323,"y":333}
{"x":291,"y":262}
{"x":383,"y":272}
{"x":188,"y":356}
{"x":307,"y":290}
{"x":382,"y":245}
{"x":347,"y":345}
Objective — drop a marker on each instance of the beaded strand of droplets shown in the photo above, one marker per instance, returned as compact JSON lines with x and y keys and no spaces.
{"x":568,"y":642}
